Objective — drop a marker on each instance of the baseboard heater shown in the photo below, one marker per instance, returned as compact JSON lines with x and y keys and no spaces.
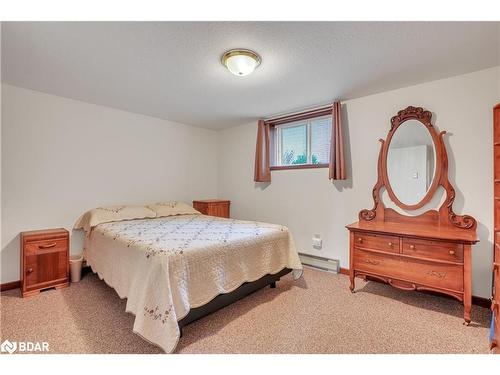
{"x":325,"y":264}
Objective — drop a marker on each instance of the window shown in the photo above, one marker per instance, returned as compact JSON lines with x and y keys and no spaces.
{"x":301,"y":144}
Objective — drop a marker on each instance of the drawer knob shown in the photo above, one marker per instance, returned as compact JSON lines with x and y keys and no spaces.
{"x":452,"y":252}
{"x":30,"y":270}
{"x":360,"y":240}
{"x":391,"y":244}
{"x":412,"y":247}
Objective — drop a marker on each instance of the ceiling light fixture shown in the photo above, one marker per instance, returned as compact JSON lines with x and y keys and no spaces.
{"x":241,"y":62}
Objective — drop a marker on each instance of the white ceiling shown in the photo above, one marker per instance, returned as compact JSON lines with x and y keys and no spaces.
{"x":172,"y":70}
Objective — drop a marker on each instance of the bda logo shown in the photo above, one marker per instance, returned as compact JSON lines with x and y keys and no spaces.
{"x":9,"y":347}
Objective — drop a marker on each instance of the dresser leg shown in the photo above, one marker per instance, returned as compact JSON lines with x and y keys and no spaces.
{"x":467,"y":284}
{"x":351,"y":279}
{"x":351,"y":261}
{"x":467,"y":309}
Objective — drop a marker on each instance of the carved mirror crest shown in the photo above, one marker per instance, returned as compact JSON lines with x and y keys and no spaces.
{"x":412,"y":164}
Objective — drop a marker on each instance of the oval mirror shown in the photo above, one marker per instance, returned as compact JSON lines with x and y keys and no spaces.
{"x":411,"y":162}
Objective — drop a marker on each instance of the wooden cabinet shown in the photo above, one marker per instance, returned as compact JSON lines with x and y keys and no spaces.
{"x":213,"y":207}
{"x":495,"y":307}
{"x":44,"y":260}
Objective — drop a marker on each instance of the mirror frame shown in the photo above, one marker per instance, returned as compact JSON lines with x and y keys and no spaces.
{"x":424,"y":118}
{"x":444,"y":216}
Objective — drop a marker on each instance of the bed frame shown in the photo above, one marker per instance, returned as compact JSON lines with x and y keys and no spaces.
{"x":223,"y":300}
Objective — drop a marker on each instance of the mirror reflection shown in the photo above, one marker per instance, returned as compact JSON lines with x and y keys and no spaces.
{"x":411,"y":162}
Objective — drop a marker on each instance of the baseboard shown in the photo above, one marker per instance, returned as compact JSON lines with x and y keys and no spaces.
{"x":481,"y":301}
{"x":17,"y":284}
{"x":344,"y":271}
{"x":10,"y":285}
{"x":476,"y":300}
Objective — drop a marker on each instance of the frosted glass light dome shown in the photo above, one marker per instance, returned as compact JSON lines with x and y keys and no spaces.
{"x":241,"y":62}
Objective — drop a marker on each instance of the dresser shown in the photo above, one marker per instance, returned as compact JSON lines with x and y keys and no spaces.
{"x":429,"y":250}
{"x":213,"y":207}
{"x":413,"y":258}
{"x":44,"y":260}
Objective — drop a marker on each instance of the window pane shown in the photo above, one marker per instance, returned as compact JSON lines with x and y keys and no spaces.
{"x":321,"y":130}
{"x":294,"y":145}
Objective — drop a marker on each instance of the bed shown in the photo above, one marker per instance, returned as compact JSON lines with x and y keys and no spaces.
{"x":177,"y":265}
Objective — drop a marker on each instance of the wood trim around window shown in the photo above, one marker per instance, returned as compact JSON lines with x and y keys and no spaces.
{"x":299,"y":166}
{"x":318,"y":112}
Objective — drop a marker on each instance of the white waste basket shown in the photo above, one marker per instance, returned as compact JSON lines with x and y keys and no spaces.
{"x":75,"y":266}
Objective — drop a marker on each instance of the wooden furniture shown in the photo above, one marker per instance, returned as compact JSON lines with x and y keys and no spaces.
{"x":430,"y":251}
{"x":495,"y":303}
{"x":213,"y":207}
{"x":44,"y":260}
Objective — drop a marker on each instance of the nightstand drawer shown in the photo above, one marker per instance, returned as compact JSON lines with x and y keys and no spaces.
{"x":46,"y":246}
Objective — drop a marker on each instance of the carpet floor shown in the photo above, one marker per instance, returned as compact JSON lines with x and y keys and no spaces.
{"x":316,"y":314}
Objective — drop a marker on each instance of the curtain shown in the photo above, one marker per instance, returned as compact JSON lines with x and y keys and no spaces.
{"x":337,"y":164}
{"x":262,"y":163}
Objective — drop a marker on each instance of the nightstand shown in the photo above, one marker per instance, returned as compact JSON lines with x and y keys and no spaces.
{"x":44,"y":260}
{"x":213,"y":207}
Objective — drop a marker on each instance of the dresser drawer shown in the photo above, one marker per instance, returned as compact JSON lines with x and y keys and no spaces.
{"x":46,"y":246}
{"x":440,"y":275}
{"x":377,"y":242}
{"x":433,"y":249}
{"x":379,"y":264}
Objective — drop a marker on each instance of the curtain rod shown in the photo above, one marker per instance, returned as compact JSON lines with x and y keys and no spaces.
{"x":291,"y":114}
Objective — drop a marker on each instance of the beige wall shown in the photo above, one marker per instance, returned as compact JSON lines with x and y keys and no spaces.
{"x":61,"y":157}
{"x":308,"y":203}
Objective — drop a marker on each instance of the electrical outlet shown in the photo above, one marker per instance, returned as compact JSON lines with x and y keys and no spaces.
{"x":317,"y":242}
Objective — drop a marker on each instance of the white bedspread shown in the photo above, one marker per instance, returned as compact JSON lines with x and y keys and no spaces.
{"x":166,"y":266}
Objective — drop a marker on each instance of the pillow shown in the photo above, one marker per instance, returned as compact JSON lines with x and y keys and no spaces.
{"x":100,"y":215}
{"x":172,"y":208}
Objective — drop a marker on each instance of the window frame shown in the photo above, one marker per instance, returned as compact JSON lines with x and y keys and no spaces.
{"x":293,"y":120}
